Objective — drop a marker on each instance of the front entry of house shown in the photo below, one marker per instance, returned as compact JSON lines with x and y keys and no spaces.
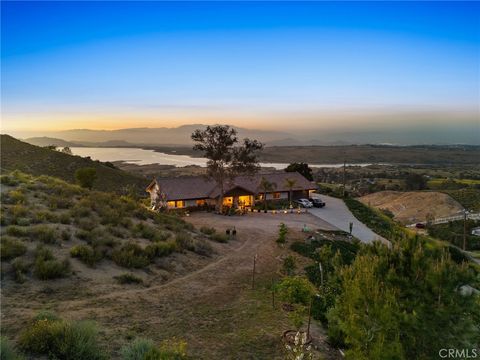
{"x":241,"y":202}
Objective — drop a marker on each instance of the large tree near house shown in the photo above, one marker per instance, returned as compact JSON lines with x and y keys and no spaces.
{"x":266,"y":187}
{"x":227,"y":157}
{"x":290,"y":184}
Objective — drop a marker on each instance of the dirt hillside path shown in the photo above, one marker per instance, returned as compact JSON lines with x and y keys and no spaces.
{"x":213,"y":308}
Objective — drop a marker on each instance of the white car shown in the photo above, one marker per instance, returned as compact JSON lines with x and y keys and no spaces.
{"x":304,"y":203}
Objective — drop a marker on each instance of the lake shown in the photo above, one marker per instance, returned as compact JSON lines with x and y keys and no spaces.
{"x":145,"y":157}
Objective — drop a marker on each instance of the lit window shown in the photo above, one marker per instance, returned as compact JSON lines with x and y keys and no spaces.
{"x":180,"y":204}
{"x":171,"y":204}
{"x":276,"y":195}
{"x":201,"y":202}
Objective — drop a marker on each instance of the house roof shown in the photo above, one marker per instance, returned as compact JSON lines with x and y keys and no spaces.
{"x":199,"y":187}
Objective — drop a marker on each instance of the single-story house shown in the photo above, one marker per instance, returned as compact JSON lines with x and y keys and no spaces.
{"x":240,"y":192}
{"x":476,"y":231}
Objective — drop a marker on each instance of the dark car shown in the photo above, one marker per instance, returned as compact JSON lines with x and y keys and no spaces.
{"x":317,"y":202}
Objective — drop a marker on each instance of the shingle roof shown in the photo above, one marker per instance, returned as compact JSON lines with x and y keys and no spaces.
{"x":199,"y":187}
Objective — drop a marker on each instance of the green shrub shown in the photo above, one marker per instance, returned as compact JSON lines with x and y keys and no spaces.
{"x":160,"y":249}
{"x":296,"y":290}
{"x":7,"y":351}
{"x":16,"y":231}
{"x":86,"y":254}
{"x":85,"y":177}
{"x":221,"y":238}
{"x":145,"y":349}
{"x":22,"y":221}
{"x":47,"y":267}
{"x":289,"y":265}
{"x":128,"y":279}
{"x":11,"y":248}
{"x":16,"y":196}
{"x":207,"y":230}
{"x":117,"y":231}
{"x":42,"y":233}
{"x":87,"y":224}
{"x":8,"y":180}
{"x":66,"y":235}
{"x":131,"y":255}
{"x":61,"y":339}
{"x":140,"y":349}
{"x":20,"y":269}
{"x":145,"y":231}
{"x":59,"y":202}
{"x":18,"y":211}
{"x":282,"y":234}
{"x":65,"y":218}
{"x":184,"y":241}
{"x":203,"y":248}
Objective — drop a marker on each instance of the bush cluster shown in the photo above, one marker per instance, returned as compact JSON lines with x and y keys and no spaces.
{"x":207,"y":230}
{"x":145,"y":349}
{"x":86,"y":254}
{"x":11,"y":248}
{"x":282,"y":233}
{"x":128,"y":278}
{"x":221,"y":238}
{"x":160,"y":249}
{"x":131,"y":255}
{"x":48,"y":267}
{"x":184,"y":242}
{"x":59,"y":339}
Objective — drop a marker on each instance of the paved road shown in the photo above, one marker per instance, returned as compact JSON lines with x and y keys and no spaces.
{"x":336,"y":213}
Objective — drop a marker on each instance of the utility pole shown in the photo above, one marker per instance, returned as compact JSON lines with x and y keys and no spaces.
{"x":465,"y":212}
{"x":344,"y":175}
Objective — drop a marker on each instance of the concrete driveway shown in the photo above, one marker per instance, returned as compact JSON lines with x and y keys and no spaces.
{"x":336,"y":213}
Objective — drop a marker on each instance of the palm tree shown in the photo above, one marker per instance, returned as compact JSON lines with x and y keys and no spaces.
{"x":266,"y":186}
{"x":290,"y":184}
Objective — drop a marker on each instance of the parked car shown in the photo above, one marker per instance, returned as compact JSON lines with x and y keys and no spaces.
{"x":317,"y":202}
{"x":420,"y":226}
{"x":304,"y":203}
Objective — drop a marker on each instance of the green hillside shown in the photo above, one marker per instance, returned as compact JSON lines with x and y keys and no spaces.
{"x":18,"y":155}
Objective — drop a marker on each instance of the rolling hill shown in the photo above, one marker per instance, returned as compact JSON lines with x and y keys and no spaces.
{"x":18,"y":155}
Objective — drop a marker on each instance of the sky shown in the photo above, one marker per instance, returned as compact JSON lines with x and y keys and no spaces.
{"x":291,"y":66}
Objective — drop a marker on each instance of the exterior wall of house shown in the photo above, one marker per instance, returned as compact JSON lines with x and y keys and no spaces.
{"x":277,"y":195}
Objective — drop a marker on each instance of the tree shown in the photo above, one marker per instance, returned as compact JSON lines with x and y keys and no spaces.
{"x":415,"y":182}
{"x":290,"y":184}
{"x":67,"y":150}
{"x":266,"y":186}
{"x":404,"y":302}
{"x":226,"y":159}
{"x":50,"y":147}
{"x":301,"y":168}
{"x":86,"y":177}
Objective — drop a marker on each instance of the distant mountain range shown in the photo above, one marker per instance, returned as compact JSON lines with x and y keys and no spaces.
{"x":47,"y":141}
{"x":180,"y":136}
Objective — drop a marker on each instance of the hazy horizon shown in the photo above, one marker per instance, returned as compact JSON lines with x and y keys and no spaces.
{"x":405,"y":73}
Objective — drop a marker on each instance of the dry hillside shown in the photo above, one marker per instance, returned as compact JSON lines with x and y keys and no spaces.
{"x":413,"y":206}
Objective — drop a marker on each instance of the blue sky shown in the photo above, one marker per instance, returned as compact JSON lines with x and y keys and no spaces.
{"x":270,"y":65}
